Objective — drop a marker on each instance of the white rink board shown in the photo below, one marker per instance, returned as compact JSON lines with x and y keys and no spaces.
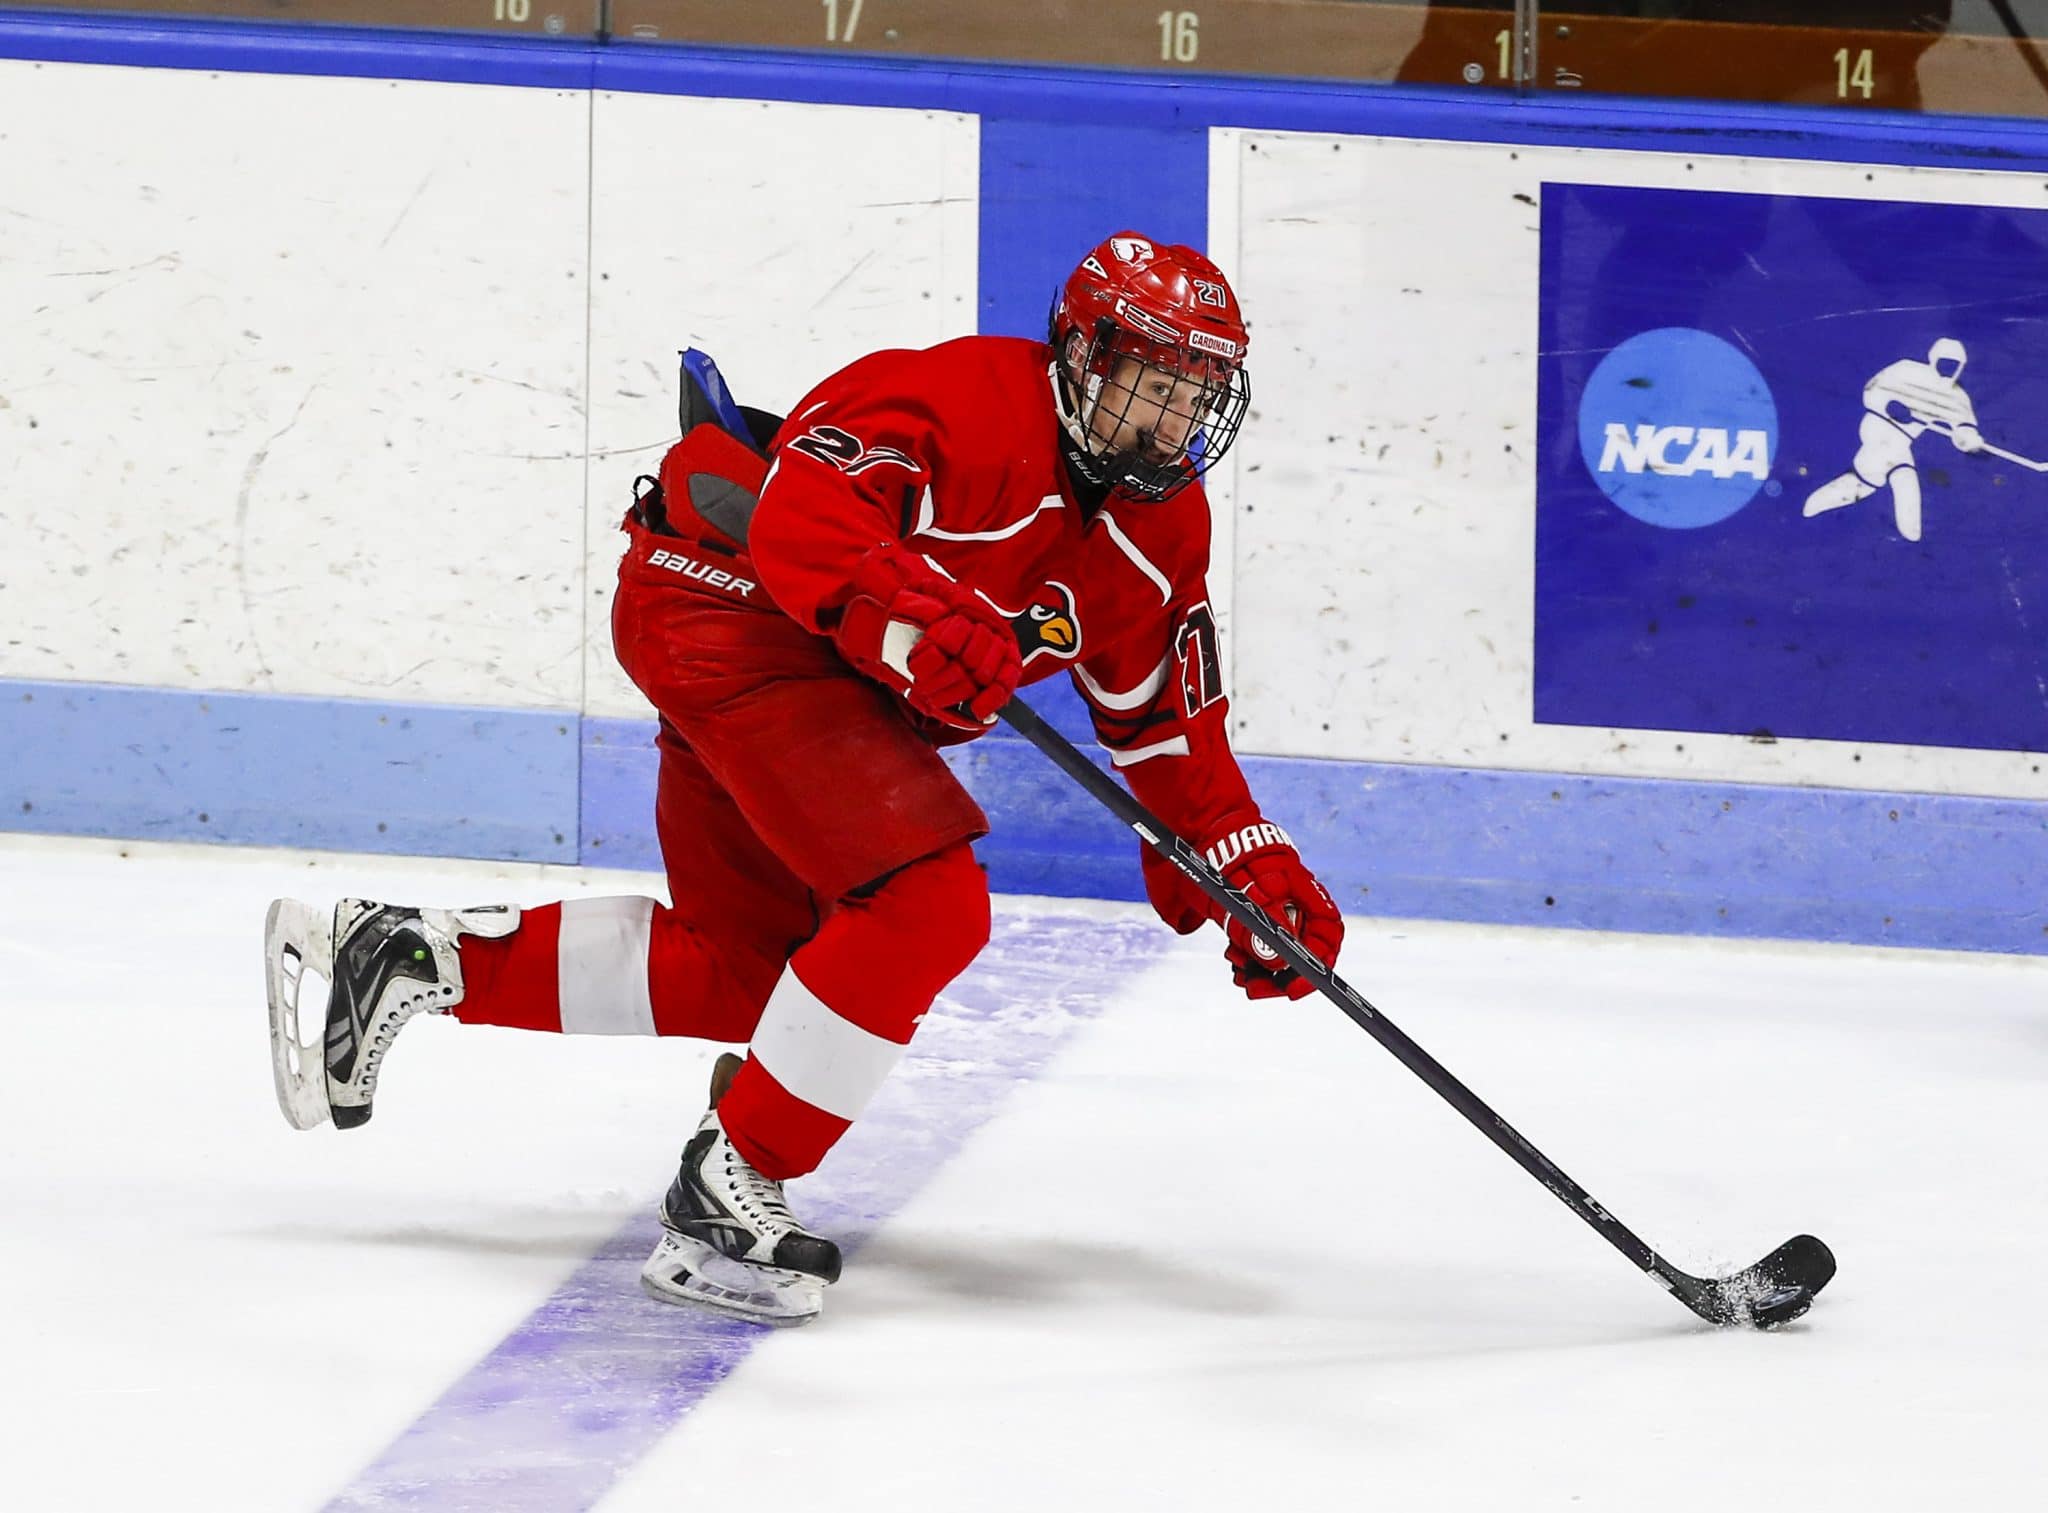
{"x":1384,"y":582}
{"x":785,"y":240}
{"x":304,"y":358}
{"x":307,"y":361}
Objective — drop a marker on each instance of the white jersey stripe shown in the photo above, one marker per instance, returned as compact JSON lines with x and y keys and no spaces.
{"x":829,"y":1062}
{"x":601,"y":966}
{"x":1134,"y":698}
{"x":1002,"y":533}
{"x":1172,"y":746}
{"x":1138,"y":558}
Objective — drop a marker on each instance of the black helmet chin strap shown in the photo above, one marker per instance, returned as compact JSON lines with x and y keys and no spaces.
{"x":1087,"y":473}
{"x":1094,"y":474}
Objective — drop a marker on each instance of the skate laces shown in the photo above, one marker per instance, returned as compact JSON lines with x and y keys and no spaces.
{"x":385,"y":1023}
{"x":403,"y":996}
{"x":758,"y":1198}
{"x":385,"y":1030}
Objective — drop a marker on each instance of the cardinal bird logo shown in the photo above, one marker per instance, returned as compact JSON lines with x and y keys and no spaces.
{"x":1047,"y":624}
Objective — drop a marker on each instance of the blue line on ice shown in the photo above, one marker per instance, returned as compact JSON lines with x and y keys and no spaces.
{"x":599,"y":1372}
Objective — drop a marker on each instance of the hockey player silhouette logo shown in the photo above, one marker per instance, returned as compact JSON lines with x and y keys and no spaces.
{"x":1047,"y":625}
{"x":1901,"y":403}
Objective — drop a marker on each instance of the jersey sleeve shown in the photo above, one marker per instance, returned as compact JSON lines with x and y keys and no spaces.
{"x":1156,"y":698}
{"x":846,"y":473}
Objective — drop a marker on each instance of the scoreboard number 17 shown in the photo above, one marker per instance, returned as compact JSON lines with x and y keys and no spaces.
{"x":832,"y":31}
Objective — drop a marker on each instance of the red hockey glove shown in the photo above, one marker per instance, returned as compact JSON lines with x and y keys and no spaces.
{"x":936,"y":642}
{"x":1260,"y":861}
{"x":1183,"y":906}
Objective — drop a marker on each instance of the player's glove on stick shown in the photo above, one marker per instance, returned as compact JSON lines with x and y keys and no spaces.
{"x":1256,"y":858}
{"x":935,"y":641}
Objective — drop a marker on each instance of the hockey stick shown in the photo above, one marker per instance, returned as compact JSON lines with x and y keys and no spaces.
{"x":2025,"y":462}
{"x":1774,"y":1291}
{"x":1996,"y":451}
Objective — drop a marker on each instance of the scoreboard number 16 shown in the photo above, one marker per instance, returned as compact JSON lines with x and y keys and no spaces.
{"x":1180,"y":38}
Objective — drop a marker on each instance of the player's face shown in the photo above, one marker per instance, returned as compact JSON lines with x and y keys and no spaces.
{"x":1147,"y":410}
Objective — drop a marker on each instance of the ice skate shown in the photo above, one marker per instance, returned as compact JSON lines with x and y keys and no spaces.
{"x":383,"y":963}
{"x":729,"y":1241}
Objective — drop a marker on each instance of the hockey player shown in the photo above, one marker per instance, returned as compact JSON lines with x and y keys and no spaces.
{"x":813,"y":606}
{"x":1900,"y":404}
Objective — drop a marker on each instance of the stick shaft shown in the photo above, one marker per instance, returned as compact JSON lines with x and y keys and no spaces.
{"x":1027,"y":723}
{"x":2025,"y":462}
{"x":1996,"y":451}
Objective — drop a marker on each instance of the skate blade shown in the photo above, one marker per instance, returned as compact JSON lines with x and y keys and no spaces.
{"x":689,"y":1272}
{"x":296,"y":940}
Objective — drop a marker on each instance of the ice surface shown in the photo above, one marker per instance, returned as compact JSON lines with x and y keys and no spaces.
{"x":1157,"y":1247}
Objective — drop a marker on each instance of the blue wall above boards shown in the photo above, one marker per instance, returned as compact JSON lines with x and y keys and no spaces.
{"x":1052,"y":190}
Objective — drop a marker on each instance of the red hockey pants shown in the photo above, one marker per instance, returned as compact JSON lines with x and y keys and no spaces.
{"x":817,"y":849}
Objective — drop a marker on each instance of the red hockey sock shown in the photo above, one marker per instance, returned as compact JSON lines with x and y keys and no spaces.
{"x":838,"y":1020}
{"x":616,"y":966}
{"x":511,"y":981}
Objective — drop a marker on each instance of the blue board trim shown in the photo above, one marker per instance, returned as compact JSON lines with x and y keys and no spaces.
{"x":1487,"y":846}
{"x":273,"y":770}
{"x":617,"y":800}
{"x":1057,"y":95}
{"x":1067,"y":95}
{"x":277,"y":48}
{"x":1668,"y":857}
{"x":1507,"y":847}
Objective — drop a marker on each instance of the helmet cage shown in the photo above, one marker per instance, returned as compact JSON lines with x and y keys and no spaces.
{"x":1101,"y":390}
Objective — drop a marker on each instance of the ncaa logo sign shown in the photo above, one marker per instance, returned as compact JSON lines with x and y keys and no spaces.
{"x":1678,"y":428}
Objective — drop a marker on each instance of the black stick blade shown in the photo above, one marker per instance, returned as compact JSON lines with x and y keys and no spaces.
{"x":1777,"y":1290}
{"x":1801,"y":1261}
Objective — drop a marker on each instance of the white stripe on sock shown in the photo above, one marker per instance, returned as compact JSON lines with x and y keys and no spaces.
{"x":829,"y":1062}
{"x":601,"y":966}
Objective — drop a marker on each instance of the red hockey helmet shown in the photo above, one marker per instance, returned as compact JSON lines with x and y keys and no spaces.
{"x":1148,"y":346}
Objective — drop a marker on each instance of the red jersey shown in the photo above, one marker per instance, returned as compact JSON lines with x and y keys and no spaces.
{"x":955,"y":451}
